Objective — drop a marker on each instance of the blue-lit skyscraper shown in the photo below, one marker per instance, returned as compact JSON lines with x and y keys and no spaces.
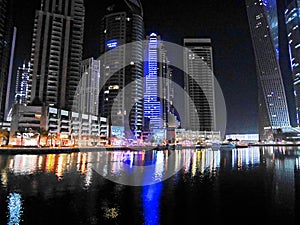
{"x":273,"y":108}
{"x":292,"y":15}
{"x":152,"y":104}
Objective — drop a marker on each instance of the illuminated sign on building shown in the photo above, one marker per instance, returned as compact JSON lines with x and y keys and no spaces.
{"x":112,"y":43}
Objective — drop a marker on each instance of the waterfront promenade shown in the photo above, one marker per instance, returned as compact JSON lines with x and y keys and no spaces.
{"x":58,"y":150}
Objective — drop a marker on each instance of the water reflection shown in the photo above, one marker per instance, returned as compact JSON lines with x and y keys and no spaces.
{"x":114,"y":163}
{"x":151,"y":203}
{"x":14,"y":208}
{"x":268,"y":178}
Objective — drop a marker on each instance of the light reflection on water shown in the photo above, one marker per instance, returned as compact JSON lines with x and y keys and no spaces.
{"x":15,"y":209}
{"x":151,"y":203}
{"x":278,"y":171}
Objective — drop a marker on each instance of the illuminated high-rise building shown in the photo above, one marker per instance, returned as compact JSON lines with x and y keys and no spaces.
{"x":273,"y":108}
{"x":22,"y":80}
{"x":152,"y":104}
{"x":122,"y":24}
{"x":292,"y":14}
{"x":89,"y":87}
{"x":56,"y":52}
{"x":157,"y":83}
{"x":7,"y":45}
{"x":200,"y":109}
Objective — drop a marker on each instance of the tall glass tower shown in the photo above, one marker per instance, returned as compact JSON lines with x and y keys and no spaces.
{"x":273,"y":109}
{"x":292,"y":16}
{"x":57,"y":46}
{"x":200,"y":110}
{"x":152,"y":104}
{"x":89,"y":87}
{"x":122,"y":24}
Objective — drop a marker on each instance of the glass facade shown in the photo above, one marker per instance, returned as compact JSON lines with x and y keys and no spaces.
{"x":292,"y":14}
{"x":152,"y":105}
{"x":270,"y":8}
{"x":22,"y":84}
{"x":89,"y":87}
{"x":121,"y":67}
{"x":200,"y":109}
{"x":273,"y":109}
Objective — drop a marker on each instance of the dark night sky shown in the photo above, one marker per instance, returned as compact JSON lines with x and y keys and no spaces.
{"x":225,"y":22}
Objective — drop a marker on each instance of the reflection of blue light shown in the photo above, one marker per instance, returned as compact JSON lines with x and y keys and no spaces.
{"x":151,"y":202}
{"x":15,"y":209}
{"x":128,"y":159}
{"x":112,"y":43}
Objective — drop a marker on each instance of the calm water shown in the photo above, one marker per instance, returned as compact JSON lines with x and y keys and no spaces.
{"x":240,"y":186}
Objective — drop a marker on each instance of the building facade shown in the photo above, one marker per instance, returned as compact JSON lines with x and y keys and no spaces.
{"x":273,"y":108}
{"x":57,"y":52}
{"x":89,"y":87}
{"x":292,"y":23}
{"x":121,"y":66}
{"x":21,"y":90}
{"x":7,"y":44}
{"x":152,"y":103}
{"x":58,"y":127}
{"x":199,"y":85}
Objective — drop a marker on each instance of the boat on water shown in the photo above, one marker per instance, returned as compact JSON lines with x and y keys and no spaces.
{"x":227,"y":146}
{"x":223,"y":146}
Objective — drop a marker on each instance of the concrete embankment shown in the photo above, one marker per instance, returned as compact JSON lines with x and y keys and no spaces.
{"x":59,"y":150}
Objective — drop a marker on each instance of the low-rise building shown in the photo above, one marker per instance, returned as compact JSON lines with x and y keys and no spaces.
{"x":190,"y":137}
{"x":50,"y":126}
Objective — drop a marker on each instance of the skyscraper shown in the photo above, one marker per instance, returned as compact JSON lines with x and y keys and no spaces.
{"x":200,"y":109}
{"x":152,"y":104}
{"x":157,"y":83}
{"x":89,"y":87}
{"x":57,"y":52}
{"x":122,"y":24}
{"x":22,"y":79}
{"x":273,"y":109}
{"x":293,"y":30}
{"x":7,"y":39}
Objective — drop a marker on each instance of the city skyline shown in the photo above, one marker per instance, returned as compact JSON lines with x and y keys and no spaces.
{"x":228,"y":29}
